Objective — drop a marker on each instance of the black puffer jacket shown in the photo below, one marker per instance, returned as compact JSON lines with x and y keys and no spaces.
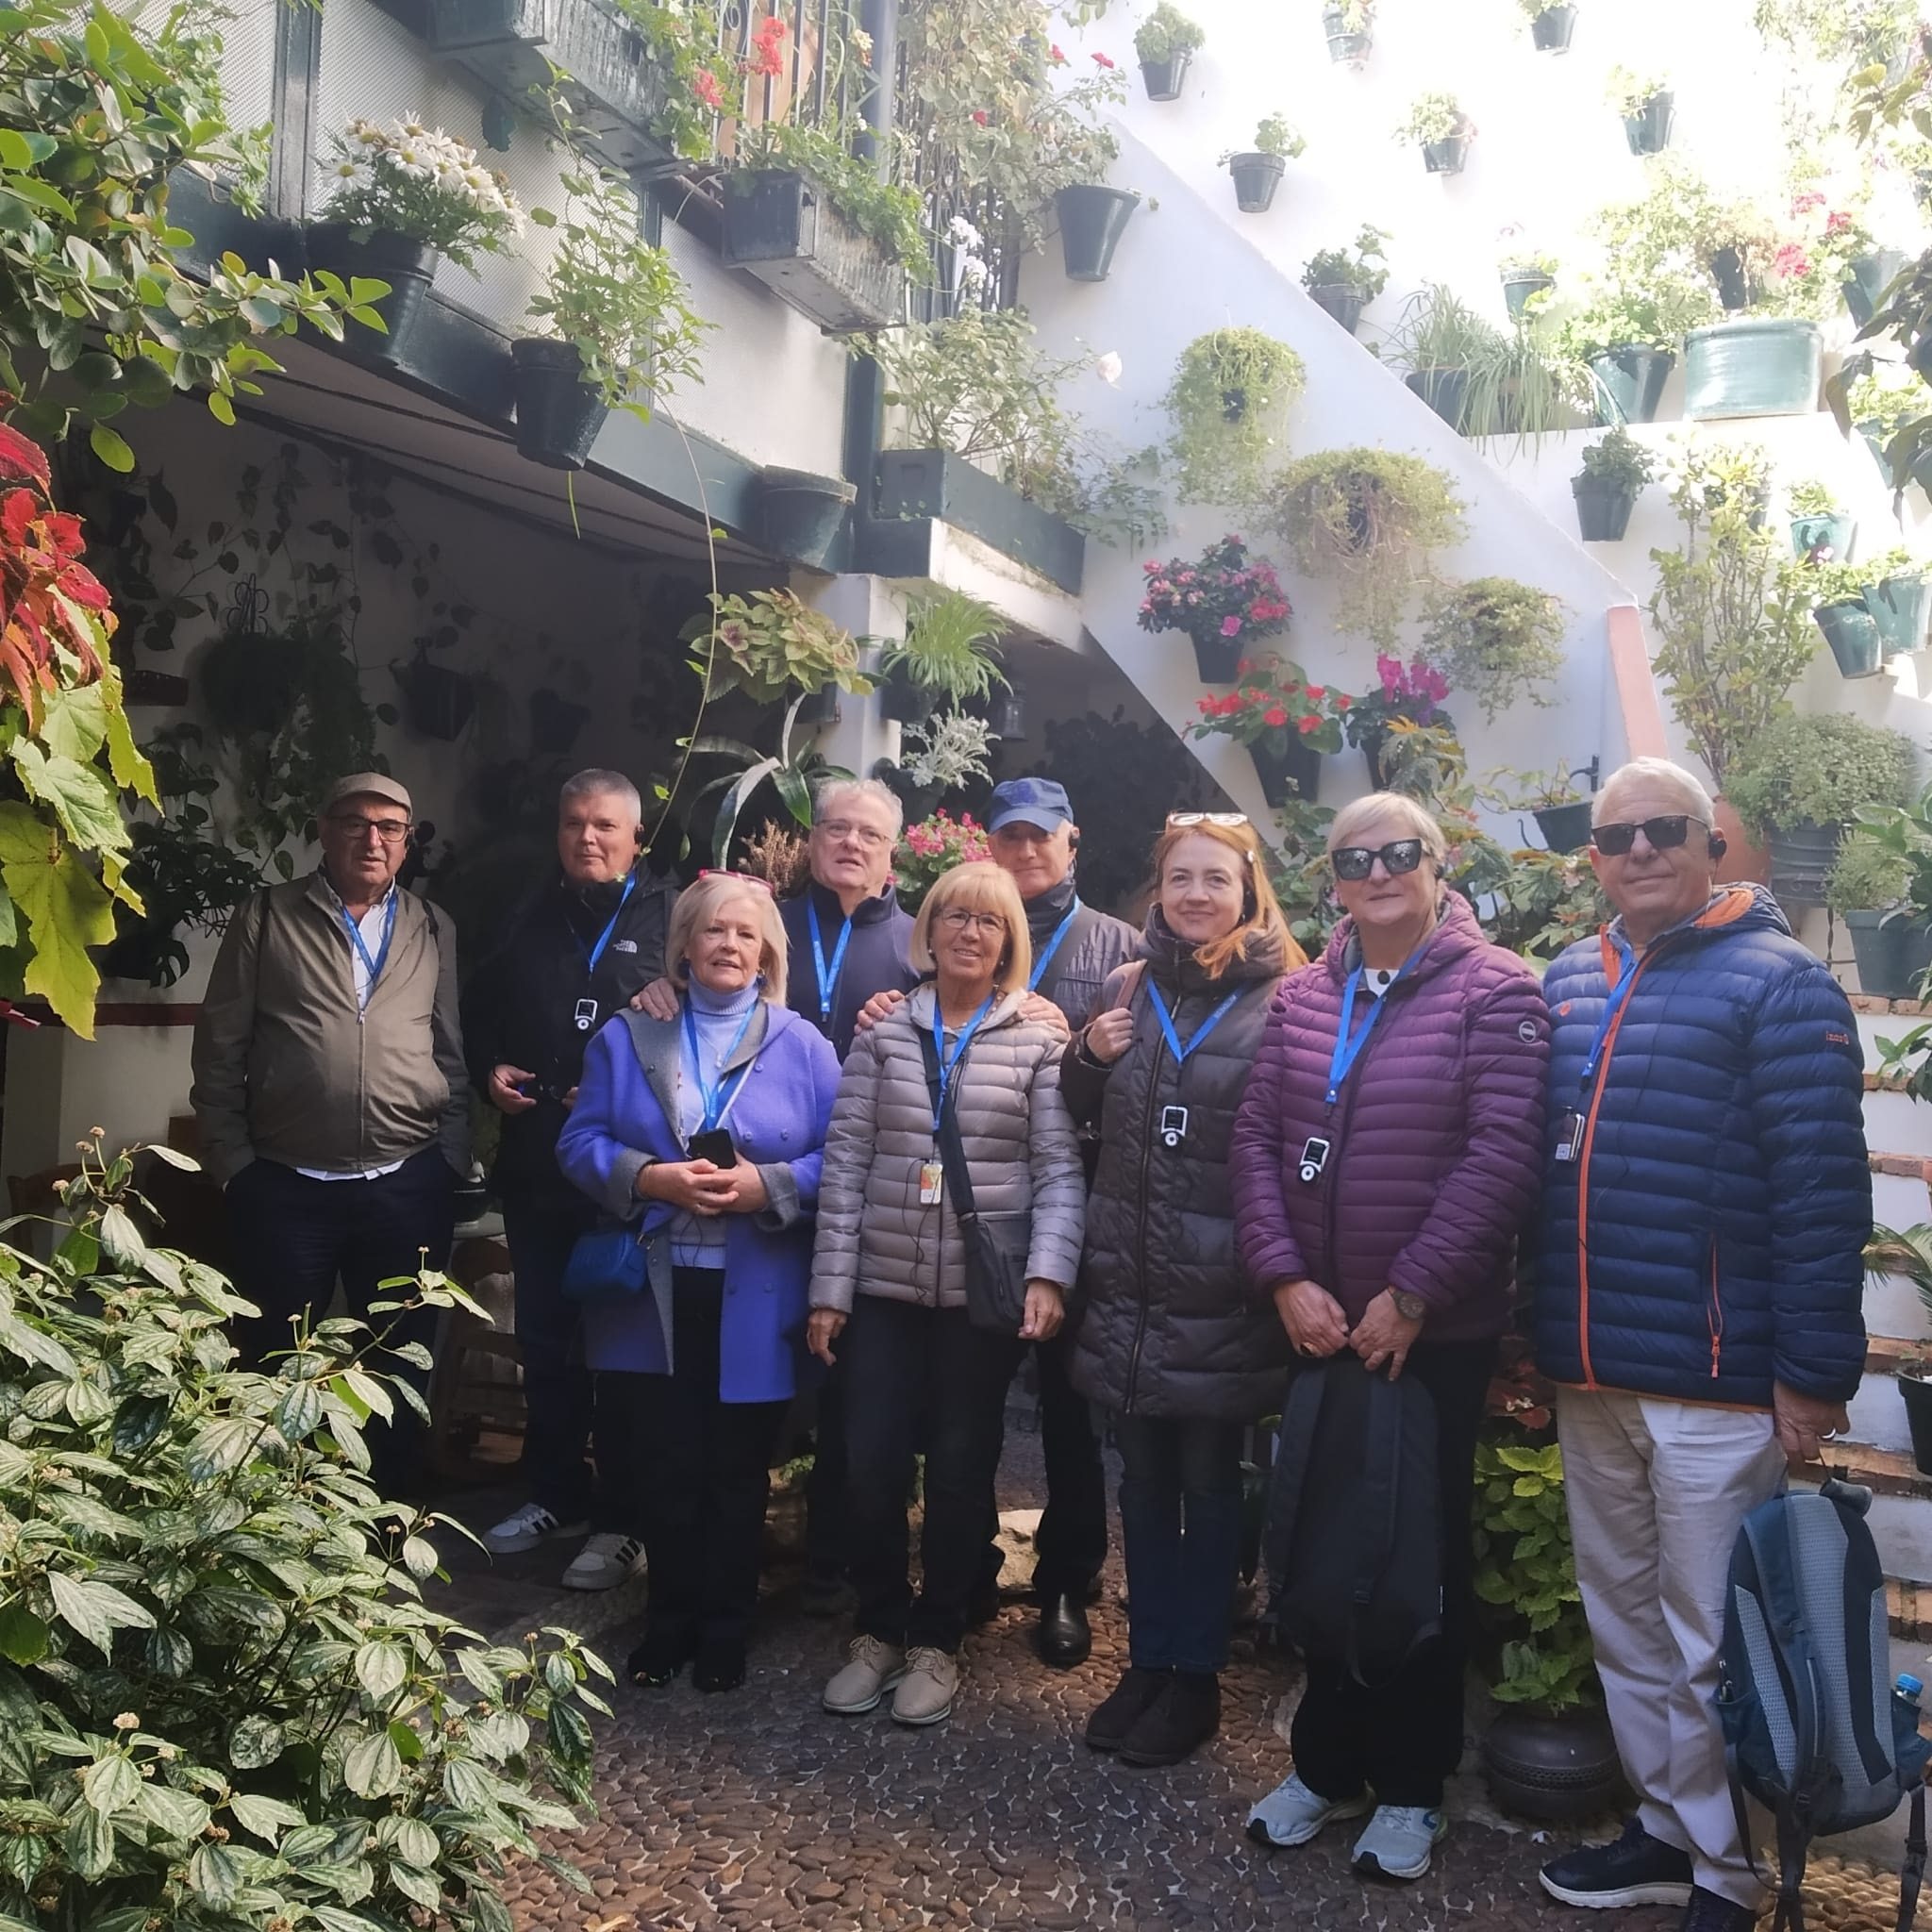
{"x":1170,"y":1324}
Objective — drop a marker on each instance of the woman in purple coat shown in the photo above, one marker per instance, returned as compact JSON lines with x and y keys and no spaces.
{"x":706,"y":1132}
{"x":1383,"y":1159}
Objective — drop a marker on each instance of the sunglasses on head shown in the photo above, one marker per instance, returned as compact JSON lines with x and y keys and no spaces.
{"x":1354,"y":862}
{"x":1614,"y":841}
{"x":1179,"y":821}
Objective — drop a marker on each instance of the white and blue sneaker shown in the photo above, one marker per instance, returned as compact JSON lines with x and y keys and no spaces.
{"x":1398,"y":1842}
{"x":1291,"y":1814}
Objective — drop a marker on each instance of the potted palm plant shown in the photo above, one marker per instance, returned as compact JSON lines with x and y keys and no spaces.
{"x":1615,"y":469}
{"x":947,"y":658}
{"x":1347,"y":25}
{"x":1440,"y":129}
{"x":1258,"y":172}
{"x":1164,"y":42}
{"x":1838,"y":610}
{"x":1343,"y":281}
{"x":1821,"y":529}
{"x":1648,"y":107}
{"x":1550,"y":26}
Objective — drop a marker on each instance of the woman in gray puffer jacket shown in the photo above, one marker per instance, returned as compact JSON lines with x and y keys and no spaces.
{"x":1173,"y":1337}
{"x":888,"y":1274}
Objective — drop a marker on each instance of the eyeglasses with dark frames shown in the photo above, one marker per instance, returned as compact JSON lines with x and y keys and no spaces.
{"x":1356,"y":862}
{"x":1665,"y":833}
{"x":353,"y":825}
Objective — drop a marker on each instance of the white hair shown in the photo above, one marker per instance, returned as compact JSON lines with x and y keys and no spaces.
{"x":1685,"y":787}
{"x":595,"y":783}
{"x":1388,"y":807}
{"x":835,"y":791}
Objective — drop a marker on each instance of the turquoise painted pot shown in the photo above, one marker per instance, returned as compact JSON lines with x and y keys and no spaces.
{"x":1900,"y":606}
{"x":1762,"y":366}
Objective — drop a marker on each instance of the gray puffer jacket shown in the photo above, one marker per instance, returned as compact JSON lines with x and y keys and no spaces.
{"x":1171,"y":1323}
{"x":873,"y":1237}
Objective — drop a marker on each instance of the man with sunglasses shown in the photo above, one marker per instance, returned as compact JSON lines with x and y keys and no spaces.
{"x":1698,"y":1283}
{"x":330,"y":1089}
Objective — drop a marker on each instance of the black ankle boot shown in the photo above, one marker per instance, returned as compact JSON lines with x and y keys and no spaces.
{"x":1185,"y":1715}
{"x":659,"y":1658}
{"x":1112,"y":1721}
{"x":720,"y":1664}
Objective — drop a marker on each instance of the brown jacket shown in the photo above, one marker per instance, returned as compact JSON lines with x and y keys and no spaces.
{"x":286,"y":1068}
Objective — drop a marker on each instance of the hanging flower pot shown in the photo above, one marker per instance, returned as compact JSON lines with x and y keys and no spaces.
{"x":1445,"y":391}
{"x":1648,"y":130}
{"x":1347,"y":46}
{"x":559,"y":415}
{"x":1802,"y":856}
{"x":437,"y":700}
{"x":1899,"y":608}
{"x":1852,"y":634}
{"x":1374,"y":745}
{"x":1255,"y":179}
{"x":1165,"y":79}
{"x":1217,"y":658}
{"x":800,"y":513}
{"x":1340,"y":301}
{"x":1092,"y":219}
{"x":1892,"y":952}
{"x":1446,"y":156}
{"x":1603,"y":507}
{"x":1832,"y":533}
{"x":904,"y":702}
{"x":1565,"y":828}
{"x":1293,"y":772}
{"x":407,"y":266}
{"x":1550,"y":31}
{"x":1631,"y":378}
{"x":1766,"y":366}
{"x":1519,"y":284}
{"x":820,"y":710}
{"x":1871,"y":275}
{"x":1733,"y":285}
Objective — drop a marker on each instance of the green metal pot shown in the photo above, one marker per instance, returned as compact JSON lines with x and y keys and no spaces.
{"x":1900,"y":606}
{"x":1630,"y":381}
{"x":1834,"y":534}
{"x":1871,"y":275}
{"x":1853,"y":635}
{"x":1891,"y":951}
{"x":1762,"y":366}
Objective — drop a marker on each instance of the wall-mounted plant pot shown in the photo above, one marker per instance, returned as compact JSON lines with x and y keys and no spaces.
{"x":1852,"y":634}
{"x":1801,"y":859}
{"x":1520,"y":285}
{"x":409,"y":267}
{"x":818,"y":710}
{"x":554,"y":722}
{"x":1165,"y":79}
{"x":1445,"y":391}
{"x":781,"y":227}
{"x":1255,"y":179}
{"x":1871,"y":275}
{"x":1892,"y":953}
{"x":1346,"y":48}
{"x":141,"y":686}
{"x":1920,"y":472}
{"x":1295,"y":772}
{"x":1550,"y":31}
{"x":1766,"y":366}
{"x":935,"y":485}
{"x":1899,"y":607}
{"x":1446,"y":156}
{"x":1917,"y":1395}
{"x":1093,"y":217}
{"x":1832,"y":535}
{"x":1603,"y":508}
{"x":904,"y":702}
{"x":1217,"y":658}
{"x":800,"y":514}
{"x":1630,"y":381}
{"x":1565,"y":828}
{"x":1373,"y":748}
{"x":557,"y":414}
{"x":437,"y":700}
{"x":1648,"y":130}
{"x":1551,"y":1768}
{"x":1733,"y":284}
{"x":1340,"y":300}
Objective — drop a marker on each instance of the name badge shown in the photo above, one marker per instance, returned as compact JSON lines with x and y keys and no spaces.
{"x":586,"y":1015}
{"x":1173,"y":1125}
{"x":932,"y":1178}
{"x":1569,"y":1135}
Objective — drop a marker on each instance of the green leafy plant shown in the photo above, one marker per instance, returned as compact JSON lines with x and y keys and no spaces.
{"x":949,"y":650}
{"x":1828,"y":583}
{"x":793,"y":770}
{"x":1508,"y":789}
{"x":684,"y":46}
{"x":893,"y":215}
{"x":1434,"y":116}
{"x":1906,"y":1252}
{"x":1230,"y":399}
{"x":1896,"y":562}
{"x":1630,"y":93}
{"x":1354,"y":15}
{"x":1367,"y":520}
{"x":1811,"y":498}
{"x":1867,"y":877}
{"x":1274,"y":705}
{"x":1274,"y":135}
{"x":1498,"y":640}
{"x":1819,"y":770}
{"x":224,"y":1703}
{"x":1363,"y":270}
{"x":1839,"y":30}
{"x":1619,"y":461}
{"x":1165,"y":35}
{"x":767,"y":643}
{"x":414,"y":180}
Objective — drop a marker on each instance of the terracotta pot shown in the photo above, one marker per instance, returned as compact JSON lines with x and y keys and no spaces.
{"x":1744,"y":863}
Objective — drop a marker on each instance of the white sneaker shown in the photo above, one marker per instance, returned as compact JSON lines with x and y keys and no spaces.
{"x":605,"y":1561}
{"x":1291,"y":1814}
{"x":1398,"y":1842}
{"x":525,"y":1528}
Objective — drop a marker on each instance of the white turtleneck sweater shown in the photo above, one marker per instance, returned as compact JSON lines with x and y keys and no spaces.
{"x":698,"y":1240}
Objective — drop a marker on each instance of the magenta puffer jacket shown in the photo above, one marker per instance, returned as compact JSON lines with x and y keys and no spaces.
{"x":1436,"y":1140}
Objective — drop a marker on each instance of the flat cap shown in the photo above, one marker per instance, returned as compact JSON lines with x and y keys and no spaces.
{"x":367,"y":785}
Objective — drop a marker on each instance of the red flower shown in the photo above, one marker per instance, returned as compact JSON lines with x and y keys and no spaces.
{"x":1790,"y":261}
{"x":1310,"y":722}
{"x":979,"y":117}
{"x":1316,"y":693}
{"x":1101,"y":60}
{"x":1836,"y":223}
{"x":704,"y":85}
{"x":1230,"y":626}
{"x":1274,"y":715}
{"x":1342,"y":701}
{"x":767,"y":43}
{"x":1056,"y":58}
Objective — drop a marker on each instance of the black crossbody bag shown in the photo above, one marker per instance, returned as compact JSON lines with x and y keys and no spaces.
{"x":996,"y":1244}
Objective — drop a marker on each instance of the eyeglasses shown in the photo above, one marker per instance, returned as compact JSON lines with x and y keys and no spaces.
{"x":957,"y":918}
{"x":1179,"y":821}
{"x":1664,"y":833}
{"x":1352,"y":862}
{"x":868,"y":835}
{"x":390,"y":831}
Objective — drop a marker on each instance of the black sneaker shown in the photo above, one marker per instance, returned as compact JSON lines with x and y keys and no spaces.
{"x":720,"y":1664}
{"x":1179,"y":1721}
{"x":1637,"y":1870}
{"x":1710,"y":1911}
{"x":1115,"y":1717}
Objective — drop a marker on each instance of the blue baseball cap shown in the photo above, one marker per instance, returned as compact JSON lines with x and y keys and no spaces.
{"x":1038,"y":802}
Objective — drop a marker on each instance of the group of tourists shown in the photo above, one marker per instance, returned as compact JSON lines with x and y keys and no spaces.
{"x":1183,"y":1167}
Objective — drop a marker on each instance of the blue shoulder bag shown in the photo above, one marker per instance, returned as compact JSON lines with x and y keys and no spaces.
{"x":606,"y":1264}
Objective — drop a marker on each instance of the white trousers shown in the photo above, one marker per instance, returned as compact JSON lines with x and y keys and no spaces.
{"x":1656,"y":1490}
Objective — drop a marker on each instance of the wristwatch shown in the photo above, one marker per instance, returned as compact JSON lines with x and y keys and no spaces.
{"x":1411,"y":1308}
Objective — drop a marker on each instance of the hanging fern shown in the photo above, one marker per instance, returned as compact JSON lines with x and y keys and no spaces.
{"x":1229,"y":400}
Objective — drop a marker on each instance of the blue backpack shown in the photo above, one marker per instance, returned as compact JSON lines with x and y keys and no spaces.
{"x":1812,"y":1727}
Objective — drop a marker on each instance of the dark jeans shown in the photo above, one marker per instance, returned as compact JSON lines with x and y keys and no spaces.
{"x":1181,"y":1530}
{"x":824,"y":1488}
{"x":697,"y":1470}
{"x":1405,"y":1737}
{"x":1071,"y":1539}
{"x":295,"y":1237}
{"x":560,"y":1396}
{"x":920,"y":1376}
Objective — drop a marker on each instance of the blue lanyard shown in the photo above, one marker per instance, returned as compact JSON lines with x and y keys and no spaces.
{"x":375,"y":965}
{"x":1053,"y":946}
{"x":716,"y":1097}
{"x":1348,"y":1051}
{"x":1612,"y":1007}
{"x":1207,"y":1026}
{"x":829,"y":982}
{"x":938,"y":1046}
{"x":595,"y":953}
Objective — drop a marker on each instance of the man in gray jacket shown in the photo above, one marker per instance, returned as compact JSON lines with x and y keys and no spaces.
{"x":330,"y":1083}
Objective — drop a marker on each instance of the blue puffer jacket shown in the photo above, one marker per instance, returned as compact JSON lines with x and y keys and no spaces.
{"x":1706,"y":1241}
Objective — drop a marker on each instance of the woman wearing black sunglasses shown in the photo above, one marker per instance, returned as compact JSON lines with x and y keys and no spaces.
{"x":1384,"y":1157}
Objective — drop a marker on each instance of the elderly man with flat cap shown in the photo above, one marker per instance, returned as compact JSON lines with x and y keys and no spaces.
{"x":330,"y":1083}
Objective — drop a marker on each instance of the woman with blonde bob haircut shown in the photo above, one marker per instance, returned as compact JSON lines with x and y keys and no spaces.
{"x":889,"y":1282}
{"x":693,"y":911}
{"x":1171,"y":1337}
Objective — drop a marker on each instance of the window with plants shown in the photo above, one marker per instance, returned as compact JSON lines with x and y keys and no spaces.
{"x":1229,"y":400}
{"x":1499,"y":641}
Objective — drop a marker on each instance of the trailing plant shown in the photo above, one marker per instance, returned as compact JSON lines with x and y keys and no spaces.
{"x":1275,"y":707}
{"x":1165,"y":35}
{"x":1367,"y":520}
{"x":1867,"y":876}
{"x":223,"y":1703}
{"x":1433,"y":117}
{"x":1631,"y":93}
{"x":794,"y":770}
{"x":1274,"y":135}
{"x":1820,"y":771}
{"x":1411,"y":694}
{"x":950,"y":647}
{"x":1230,"y":399}
{"x":614,"y":298}
{"x":946,"y":751}
{"x":769,"y":642}
{"x":1218,"y":596}
{"x":1619,"y":461}
{"x":1363,"y":270}
{"x":1498,"y":640}
{"x":408,"y":179}
{"x":934,"y":846}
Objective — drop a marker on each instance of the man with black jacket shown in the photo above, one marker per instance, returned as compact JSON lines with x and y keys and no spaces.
{"x":572,"y":957}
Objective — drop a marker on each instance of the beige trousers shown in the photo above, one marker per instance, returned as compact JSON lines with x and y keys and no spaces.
{"x":1656,"y":1490}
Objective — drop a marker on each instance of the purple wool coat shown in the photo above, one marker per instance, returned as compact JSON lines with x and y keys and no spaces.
{"x":1437,"y":1138}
